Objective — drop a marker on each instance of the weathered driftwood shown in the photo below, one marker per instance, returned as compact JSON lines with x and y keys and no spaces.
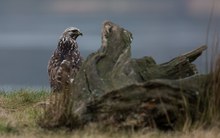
{"x":113,"y":89}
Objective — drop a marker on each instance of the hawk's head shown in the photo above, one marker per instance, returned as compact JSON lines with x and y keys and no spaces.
{"x":72,"y":32}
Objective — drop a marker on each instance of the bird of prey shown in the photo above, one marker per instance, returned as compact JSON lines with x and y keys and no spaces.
{"x":65,"y":61}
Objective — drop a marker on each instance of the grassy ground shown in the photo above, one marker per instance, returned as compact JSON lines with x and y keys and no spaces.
{"x":20,"y":109}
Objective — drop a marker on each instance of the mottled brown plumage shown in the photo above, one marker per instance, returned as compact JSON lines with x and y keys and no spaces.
{"x":65,"y":61}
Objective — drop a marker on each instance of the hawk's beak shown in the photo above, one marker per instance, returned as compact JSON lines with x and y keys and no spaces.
{"x":80,"y":34}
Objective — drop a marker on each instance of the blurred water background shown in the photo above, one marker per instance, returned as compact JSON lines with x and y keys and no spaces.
{"x":29,"y":32}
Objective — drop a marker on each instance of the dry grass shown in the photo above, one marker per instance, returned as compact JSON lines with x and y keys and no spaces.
{"x":19,"y":111}
{"x":212,"y":133}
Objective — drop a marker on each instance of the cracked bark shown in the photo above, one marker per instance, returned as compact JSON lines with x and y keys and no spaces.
{"x":87,"y":82}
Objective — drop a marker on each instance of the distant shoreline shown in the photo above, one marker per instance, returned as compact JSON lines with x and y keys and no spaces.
{"x":11,"y":88}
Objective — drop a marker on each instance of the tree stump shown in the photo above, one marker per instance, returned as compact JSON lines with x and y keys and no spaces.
{"x":113,"y":89}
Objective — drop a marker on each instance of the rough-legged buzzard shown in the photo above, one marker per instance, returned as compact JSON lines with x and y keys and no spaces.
{"x":65,"y":61}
